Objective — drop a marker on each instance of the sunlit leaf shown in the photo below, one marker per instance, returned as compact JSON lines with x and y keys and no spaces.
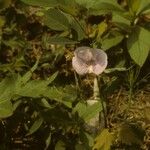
{"x":36,"y":125}
{"x":55,"y":20}
{"x":88,"y":112}
{"x":78,"y":27}
{"x":104,"y":6}
{"x":138,"y":45}
{"x":134,"y":6}
{"x":35,"y":88}
{"x":60,"y":146}
{"x":102,"y":27}
{"x":6,"y":108}
{"x":110,"y":70}
{"x":60,"y":95}
{"x":121,"y":21}
{"x":26,"y":77}
{"x":103,"y":141}
{"x":110,"y":42}
{"x":41,"y":3}
{"x":60,"y":40}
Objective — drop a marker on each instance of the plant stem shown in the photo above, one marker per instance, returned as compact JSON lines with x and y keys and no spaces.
{"x":103,"y":113}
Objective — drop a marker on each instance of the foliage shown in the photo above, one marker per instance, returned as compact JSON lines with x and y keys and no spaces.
{"x":42,"y":101}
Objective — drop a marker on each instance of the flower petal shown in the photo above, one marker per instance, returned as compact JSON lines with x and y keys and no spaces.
{"x":79,"y":66}
{"x":101,"y":61}
{"x":84,"y":53}
{"x":89,"y":60}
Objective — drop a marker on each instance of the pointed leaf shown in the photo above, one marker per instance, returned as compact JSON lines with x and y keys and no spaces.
{"x":55,"y":20}
{"x":110,"y":42}
{"x":103,"y":141}
{"x":138,"y":45}
{"x":88,"y":112}
{"x":36,"y":125}
{"x":41,"y":3}
{"x":60,"y":40}
{"x":6,"y":108}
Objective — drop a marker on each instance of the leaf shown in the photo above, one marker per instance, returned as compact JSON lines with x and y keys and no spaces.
{"x":60,"y":40}
{"x":138,"y":45}
{"x":35,"y":88}
{"x":60,"y":95}
{"x":41,"y":3}
{"x":86,"y":3}
{"x":14,"y":43}
{"x":60,"y":146}
{"x":146,"y":113}
{"x":88,"y":112}
{"x":36,"y":125}
{"x":8,"y":88}
{"x":144,"y":7}
{"x":26,"y":77}
{"x":43,"y":102}
{"x":134,"y":6}
{"x":48,"y":141}
{"x":110,"y":42}
{"x":103,"y":141}
{"x":102,"y":27}
{"x":6,"y":108}
{"x":52,"y":78}
{"x":55,"y":20}
{"x":2,"y":21}
{"x":131,"y":134}
{"x":105,"y":6}
{"x":120,"y":20}
{"x":78,"y":27}
{"x":69,"y":7}
{"x":110,"y":70}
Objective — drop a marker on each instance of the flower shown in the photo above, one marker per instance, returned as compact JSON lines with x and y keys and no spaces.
{"x":89,"y":60}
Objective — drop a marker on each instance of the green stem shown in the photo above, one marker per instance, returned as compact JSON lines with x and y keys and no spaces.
{"x":103,"y":113}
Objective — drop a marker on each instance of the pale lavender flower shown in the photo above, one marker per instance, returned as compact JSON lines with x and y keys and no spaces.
{"x":89,"y":60}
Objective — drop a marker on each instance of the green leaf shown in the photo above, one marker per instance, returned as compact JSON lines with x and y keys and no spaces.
{"x":86,"y":3}
{"x":48,"y":141}
{"x":56,"y":20}
{"x":110,"y":42}
{"x":14,"y":43}
{"x":36,"y":125}
{"x":26,"y":77}
{"x":41,"y":3}
{"x":88,"y":112}
{"x":6,"y":108}
{"x":8,"y":88}
{"x":138,"y":45}
{"x":60,"y":146}
{"x":121,"y":21}
{"x":35,"y":88}
{"x":60,"y":95}
{"x":104,"y":6}
{"x":78,"y":27}
{"x":103,"y":141}
{"x":134,"y":6}
{"x":144,"y":7}
{"x":110,"y":70}
{"x":51,"y":78}
{"x":137,"y":7}
{"x":69,"y":7}
{"x":60,"y":40}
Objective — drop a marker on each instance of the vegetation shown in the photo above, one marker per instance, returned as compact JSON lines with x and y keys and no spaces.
{"x":43,"y":100}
